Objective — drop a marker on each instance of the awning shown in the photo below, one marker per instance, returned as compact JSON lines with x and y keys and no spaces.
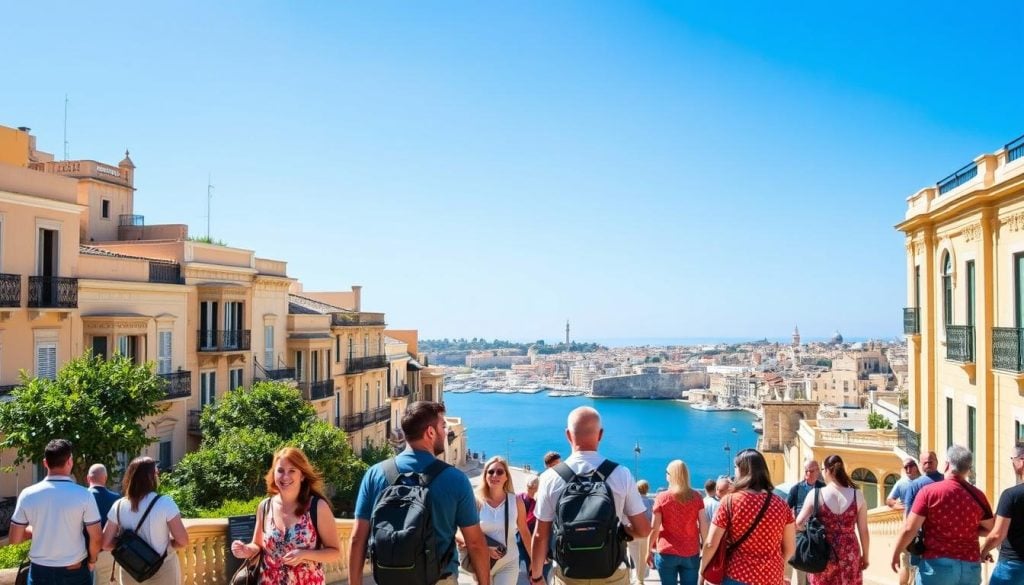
{"x":413,"y":366}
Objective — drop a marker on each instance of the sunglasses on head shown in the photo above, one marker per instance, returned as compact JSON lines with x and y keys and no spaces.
{"x":496,"y":471}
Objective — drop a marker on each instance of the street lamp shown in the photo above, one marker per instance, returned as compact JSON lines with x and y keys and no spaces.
{"x":636,"y":460}
{"x":728,"y":460}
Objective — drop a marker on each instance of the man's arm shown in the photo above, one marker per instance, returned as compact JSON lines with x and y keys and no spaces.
{"x":19,"y":533}
{"x":639,"y":525}
{"x":791,"y":499}
{"x":478,"y":553}
{"x":995,"y":537}
{"x":95,"y":543}
{"x":539,"y":552}
{"x":357,"y":550}
{"x":910,"y":528}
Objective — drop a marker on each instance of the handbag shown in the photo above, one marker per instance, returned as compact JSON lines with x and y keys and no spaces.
{"x":134,"y":554}
{"x":249,"y":571}
{"x":22,"y":576}
{"x":714,"y":570}
{"x":812,"y":549}
{"x":466,"y":562}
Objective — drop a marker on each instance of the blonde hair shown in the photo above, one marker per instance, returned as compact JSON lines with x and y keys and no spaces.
{"x":481,"y":490}
{"x":679,"y":481}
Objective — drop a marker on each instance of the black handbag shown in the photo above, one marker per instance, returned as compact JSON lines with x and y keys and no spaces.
{"x":467,"y":563}
{"x":812,"y":549}
{"x":249,"y":572}
{"x":134,"y":554}
{"x":22,"y":576}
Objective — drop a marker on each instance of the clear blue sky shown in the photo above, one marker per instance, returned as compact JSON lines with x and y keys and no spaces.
{"x":491,"y":169}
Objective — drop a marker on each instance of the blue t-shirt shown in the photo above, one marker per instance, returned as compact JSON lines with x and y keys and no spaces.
{"x":451,"y":499}
{"x":104,"y":501}
{"x":915,"y":488}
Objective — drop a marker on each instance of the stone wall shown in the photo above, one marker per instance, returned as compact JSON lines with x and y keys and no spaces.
{"x":649,"y":385}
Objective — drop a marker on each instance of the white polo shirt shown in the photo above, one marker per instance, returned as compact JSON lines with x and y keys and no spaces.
{"x":57,"y":509}
{"x":623,"y":486}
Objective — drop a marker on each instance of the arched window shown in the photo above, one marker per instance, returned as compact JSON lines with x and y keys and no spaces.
{"x":947,"y":289}
{"x":868,"y":484}
{"x":889,"y":481}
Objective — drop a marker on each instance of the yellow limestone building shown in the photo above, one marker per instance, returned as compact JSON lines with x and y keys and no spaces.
{"x":964,"y":316}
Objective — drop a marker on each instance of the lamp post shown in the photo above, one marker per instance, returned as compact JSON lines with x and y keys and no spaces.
{"x":636,"y":460}
{"x":728,"y":460}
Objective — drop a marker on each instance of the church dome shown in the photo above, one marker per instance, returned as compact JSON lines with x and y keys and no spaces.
{"x":837,"y":338}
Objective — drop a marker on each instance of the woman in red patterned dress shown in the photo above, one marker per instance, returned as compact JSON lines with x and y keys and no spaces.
{"x":840,"y":511}
{"x":285,"y":532}
{"x":760,"y":558}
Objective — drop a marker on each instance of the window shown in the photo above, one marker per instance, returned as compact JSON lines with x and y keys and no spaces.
{"x":366,"y":344}
{"x":972,"y":424}
{"x":208,"y":324}
{"x":128,"y":346}
{"x":268,"y":346}
{"x":970,"y":292}
{"x":1018,"y":289}
{"x":163,"y":360}
{"x":106,"y":209}
{"x":298,"y":367}
{"x":207,"y":388}
{"x":917,"y":285}
{"x":314,"y":365}
{"x":380,"y":399}
{"x":46,"y":360}
{"x":337,"y":347}
{"x":949,"y":421}
{"x":327,"y":362}
{"x":164,"y":460}
{"x":947,"y":290}
{"x":366,"y":396}
{"x":1018,"y":432}
{"x":99,"y":346}
{"x":350,"y":348}
{"x":234,"y":378}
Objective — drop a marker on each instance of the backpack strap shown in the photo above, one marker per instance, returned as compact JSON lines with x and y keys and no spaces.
{"x":314,"y":505}
{"x":606,"y":468}
{"x":390,"y":468}
{"x":428,"y":475}
{"x":564,"y":471}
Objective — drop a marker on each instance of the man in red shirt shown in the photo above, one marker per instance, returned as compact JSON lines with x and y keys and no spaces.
{"x":953,"y":514}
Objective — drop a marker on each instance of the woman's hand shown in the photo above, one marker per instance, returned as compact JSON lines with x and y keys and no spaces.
{"x":650,"y":558}
{"x":241,"y":550}
{"x":294,"y":557}
{"x":495,"y":552}
{"x":864,"y":562}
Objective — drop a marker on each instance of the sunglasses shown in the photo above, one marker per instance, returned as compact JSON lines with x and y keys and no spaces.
{"x":496,"y":471}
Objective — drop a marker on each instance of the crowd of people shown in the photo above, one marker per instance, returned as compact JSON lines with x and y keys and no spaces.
{"x":583,"y":520}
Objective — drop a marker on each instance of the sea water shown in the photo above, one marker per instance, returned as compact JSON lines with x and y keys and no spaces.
{"x":526,"y":426}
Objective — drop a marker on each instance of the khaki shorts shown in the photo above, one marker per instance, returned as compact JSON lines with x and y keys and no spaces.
{"x":619,"y":577}
{"x":449,"y":580}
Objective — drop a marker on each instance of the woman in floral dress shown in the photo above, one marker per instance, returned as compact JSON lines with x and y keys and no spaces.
{"x":844,"y":514}
{"x":294,"y":550}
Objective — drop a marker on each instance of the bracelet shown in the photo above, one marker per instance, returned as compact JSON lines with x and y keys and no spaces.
{"x":537,"y":579}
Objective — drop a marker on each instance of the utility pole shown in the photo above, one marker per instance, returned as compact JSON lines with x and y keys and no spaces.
{"x":209,"y":198}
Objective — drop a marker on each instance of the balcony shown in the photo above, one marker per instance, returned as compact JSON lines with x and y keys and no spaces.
{"x":961,"y":176}
{"x":10,"y":290}
{"x":131,"y":220}
{"x":278,"y":374}
{"x":52,"y":292}
{"x":361,"y":364}
{"x":908,"y":440}
{"x":400,"y":391}
{"x":352,"y":422}
{"x":960,"y":343}
{"x":911,"y":320}
{"x":179,"y":384}
{"x":1015,"y":149}
{"x":355,"y":319}
{"x":317,"y":390}
{"x":193,"y":422}
{"x":1006,"y":349}
{"x":378,"y":414}
{"x":165,"y":272}
{"x":211,"y":340}
{"x":6,"y":389}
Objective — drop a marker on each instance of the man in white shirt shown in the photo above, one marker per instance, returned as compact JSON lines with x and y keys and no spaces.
{"x":52,"y":513}
{"x":584,"y":433}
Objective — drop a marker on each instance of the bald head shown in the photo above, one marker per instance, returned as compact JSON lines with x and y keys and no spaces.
{"x":97,"y":474}
{"x":583,"y":428}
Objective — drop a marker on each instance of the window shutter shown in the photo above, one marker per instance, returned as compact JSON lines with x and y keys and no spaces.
{"x":268,"y":347}
{"x":164,"y":358}
{"x":46,"y":360}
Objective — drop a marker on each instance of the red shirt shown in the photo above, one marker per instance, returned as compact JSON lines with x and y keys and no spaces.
{"x":951,"y":519}
{"x":680,"y":533}
{"x":758,"y":561}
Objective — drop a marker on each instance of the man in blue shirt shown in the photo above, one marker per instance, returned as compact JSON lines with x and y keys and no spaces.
{"x":931,"y":474}
{"x":451,"y":498}
{"x":105,"y":498}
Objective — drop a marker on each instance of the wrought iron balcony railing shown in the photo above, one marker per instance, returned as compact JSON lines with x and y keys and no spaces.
{"x":59,"y":292}
{"x":908,"y":440}
{"x":1006,"y":349}
{"x":165,"y":272}
{"x":911,"y":320}
{"x":1015,"y":149}
{"x":378,"y":414}
{"x":961,"y":176}
{"x":6,"y":389}
{"x":223,"y":339}
{"x":400,"y":391}
{"x":356,"y":319}
{"x":317,"y":390}
{"x":352,"y":422}
{"x":131,"y":220}
{"x":960,"y":343}
{"x":278,"y":374}
{"x":10,"y":290}
{"x":361,"y":364}
{"x":193,"y":421}
{"x":179,"y":384}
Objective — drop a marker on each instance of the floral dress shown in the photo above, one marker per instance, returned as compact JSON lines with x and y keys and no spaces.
{"x":840,"y":531}
{"x":277,"y":543}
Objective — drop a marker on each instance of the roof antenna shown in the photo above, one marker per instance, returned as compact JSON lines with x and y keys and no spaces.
{"x":65,"y":126}
{"x":209,"y":198}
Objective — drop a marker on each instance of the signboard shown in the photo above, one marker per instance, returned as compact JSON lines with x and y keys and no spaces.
{"x":239,"y":528}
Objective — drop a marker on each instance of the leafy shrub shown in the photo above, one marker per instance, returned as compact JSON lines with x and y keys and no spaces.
{"x":13,"y":555}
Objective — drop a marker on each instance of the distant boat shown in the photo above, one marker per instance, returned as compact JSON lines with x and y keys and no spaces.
{"x":758,"y":426}
{"x":710,"y":407}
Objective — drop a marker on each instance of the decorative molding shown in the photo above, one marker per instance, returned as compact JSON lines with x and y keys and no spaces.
{"x":1015,"y":222}
{"x":972,"y":232}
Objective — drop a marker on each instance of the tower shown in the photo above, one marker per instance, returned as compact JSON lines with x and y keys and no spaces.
{"x":796,"y":336}
{"x":567,"y":333}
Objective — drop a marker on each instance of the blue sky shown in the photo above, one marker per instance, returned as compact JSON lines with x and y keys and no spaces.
{"x":662,"y":169}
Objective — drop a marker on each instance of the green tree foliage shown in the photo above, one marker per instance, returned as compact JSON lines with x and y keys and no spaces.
{"x":328,"y":448}
{"x":877,"y":421}
{"x":97,"y":404}
{"x":271,"y":406}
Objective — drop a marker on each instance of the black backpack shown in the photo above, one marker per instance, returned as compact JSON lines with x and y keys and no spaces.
{"x":812,"y":549}
{"x":135,"y":555}
{"x":586,"y":528}
{"x":403,"y":546}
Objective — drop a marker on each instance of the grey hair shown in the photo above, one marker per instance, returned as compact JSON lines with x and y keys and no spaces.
{"x":583,"y":419}
{"x":97,"y":470}
{"x":533,"y":482}
{"x":959,"y":458}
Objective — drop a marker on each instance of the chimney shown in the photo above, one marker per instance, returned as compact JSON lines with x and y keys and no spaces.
{"x":357,"y":298}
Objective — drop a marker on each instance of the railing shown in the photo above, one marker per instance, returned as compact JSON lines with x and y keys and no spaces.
{"x":317,"y":390}
{"x":223,"y":340}
{"x":52,"y":292}
{"x":958,"y":178}
{"x":165,"y":272}
{"x":131,"y":220}
{"x":361,"y":364}
{"x":400,"y":391}
{"x":1015,"y":149}
{"x":378,"y":414}
{"x":908,"y":440}
{"x":1006,"y":349}
{"x":179,"y":384}
{"x":356,"y":319}
{"x":353,"y":422}
{"x":6,"y":389}
{"x":278,"y":374}
{"x":877,"y":438}
{"x":10,"y":290}
{"x":911,"y":320}
{"x":193,"y":421}
{"x":960,"y":343}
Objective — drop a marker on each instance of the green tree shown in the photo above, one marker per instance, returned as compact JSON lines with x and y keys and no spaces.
{"x":273,"y":407}
{"x":328,"y":449}
{"x":877,"y":421}
{"x":97,"y":404}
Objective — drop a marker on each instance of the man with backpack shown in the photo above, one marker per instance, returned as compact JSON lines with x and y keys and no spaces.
{"x":409,"y":507}
{"x":589,"y":506}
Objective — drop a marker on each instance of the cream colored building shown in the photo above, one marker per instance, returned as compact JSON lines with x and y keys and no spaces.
{"x":853,"y":376}
{"x":965,"y":313}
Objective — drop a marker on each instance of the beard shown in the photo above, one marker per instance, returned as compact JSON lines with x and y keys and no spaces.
{"x":439,"y":445}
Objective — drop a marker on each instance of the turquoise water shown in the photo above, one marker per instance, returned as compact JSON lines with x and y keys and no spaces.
{"x":665,"y":430}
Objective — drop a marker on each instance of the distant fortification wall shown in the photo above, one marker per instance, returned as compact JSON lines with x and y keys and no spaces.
{"x":649,"y":385}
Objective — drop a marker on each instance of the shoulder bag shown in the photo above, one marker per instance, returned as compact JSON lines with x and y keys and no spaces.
{"x":22,"y":577}
{"x":467,"y":562}
{"x":812,"y":549}
{"x":249,"y":572}
{"x":714,"y":571}
{"x":134,"y":554}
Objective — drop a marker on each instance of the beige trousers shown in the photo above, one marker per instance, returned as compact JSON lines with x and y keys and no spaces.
{"x":619,"y":577}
